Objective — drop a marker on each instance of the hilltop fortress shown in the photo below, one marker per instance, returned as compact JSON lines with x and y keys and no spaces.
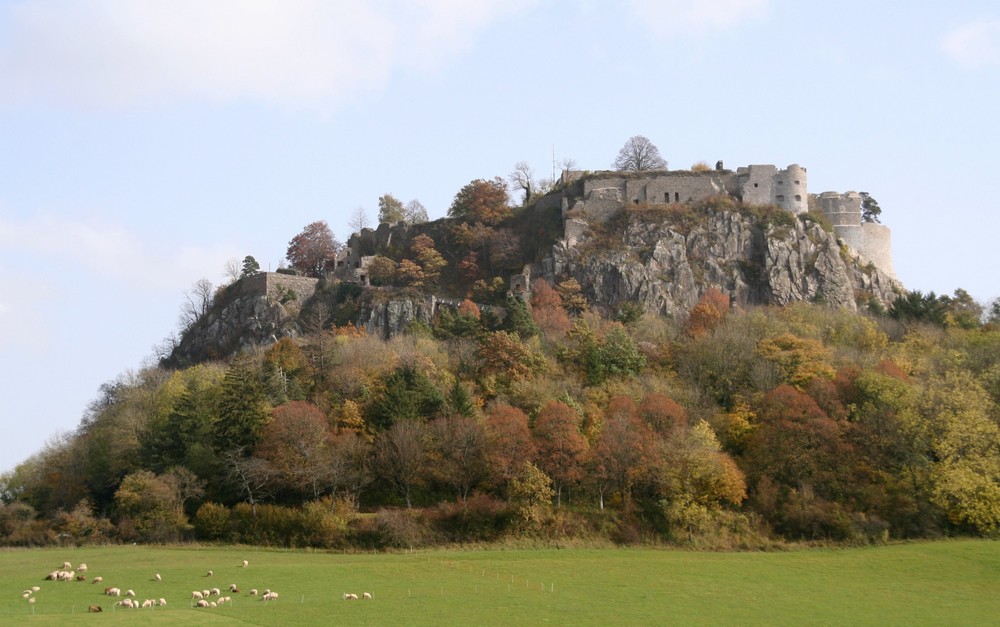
{"x":595,"y":196}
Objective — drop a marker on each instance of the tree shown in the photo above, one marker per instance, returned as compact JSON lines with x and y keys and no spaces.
{"x":914,"y":306}
{"x":409,"y":396}
{"x":483,"y":201}
{"x":390,"y":209}
{"x":250,"y":267}
{"x":870,"y":211}
{"x":400,"y":456}
{"x":530,"y":495}
{"x":639,"y":154}
{"x":508,"y":442}
{"x":359,"y":219}
{"x":523,"y":177}
{"x":309,"y":251}
{"x":560,"y":447}
{"x":622,"y":451}
{"x":295,"y":445}
{"x":458,"y":453}
{"x":197,"y":302}
{"x":712,"y":307}
{"x":243,"y":409}
{"x":151,"y":504}
{"x":415,"y":212}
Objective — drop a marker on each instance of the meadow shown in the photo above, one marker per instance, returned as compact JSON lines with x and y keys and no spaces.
{"x":946,"y":582}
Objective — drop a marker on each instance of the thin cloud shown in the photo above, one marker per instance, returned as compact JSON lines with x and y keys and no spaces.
{"x":696,"y":18}
{"x":108,"y":251}
{"x":974,"y":45}
{"x":295,"y":54}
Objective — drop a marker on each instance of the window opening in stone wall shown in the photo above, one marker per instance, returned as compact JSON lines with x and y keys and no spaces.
{"x":798,"y":197}
{"x":781,"y":198}
{"x":635,"y":201}
{"x":755,"y":184}
{"x":796,"y":182}
{"x":677,"y":197}
{"x":781,"y":182}
{"x":666,"y":196}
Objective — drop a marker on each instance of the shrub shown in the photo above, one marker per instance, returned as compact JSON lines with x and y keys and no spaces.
{"x":211,"y":521}
{"x":480,"y":519}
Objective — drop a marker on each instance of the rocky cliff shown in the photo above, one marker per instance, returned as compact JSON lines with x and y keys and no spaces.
{"x":665,"y":265}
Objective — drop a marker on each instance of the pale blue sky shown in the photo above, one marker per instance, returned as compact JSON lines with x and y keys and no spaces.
{"x":144,"y":144}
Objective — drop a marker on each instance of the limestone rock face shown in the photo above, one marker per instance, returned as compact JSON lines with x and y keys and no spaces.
{"x":244,"y":321}
{"x":391,"y":318}
{"x":666,"y":269}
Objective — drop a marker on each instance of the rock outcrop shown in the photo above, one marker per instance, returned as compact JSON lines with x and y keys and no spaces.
{"x":666,"y":267}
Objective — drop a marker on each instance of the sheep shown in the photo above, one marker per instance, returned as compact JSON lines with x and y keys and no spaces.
{"x":348,"y":596}
{"x":267,"y":590}
{"x":201,"y":603}
{"x":197,"y":595}
{"x":81,"y":578}
{"x":35,"y":588}
{"x":66,"y":566}
{"x":113,"y":592}
{"x":270,"y":596}
{"x":82,"y":568}
{"x":367,"y":595}
{"x":52,"y":576}
{"x":253,"y":592}
{"x":147,"y":603}
{"x":95,"y":608}
{"x":98,"y":580}
{"x":126,"y":602}
{"x":213,"y":604}
{"x":162,"y":601}
{"x":233,"y":588}
{"x":215,"y":592}
{"x":31,"y":600}
{"x":26,"y":595}
{"x":209,"y":574}
{"x":207,"y":593}
{"x":245,"y":563}
{"x":130,"y":593}
{"x":157,"y":577}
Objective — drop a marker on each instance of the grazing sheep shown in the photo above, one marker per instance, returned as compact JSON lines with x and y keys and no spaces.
{"x":157,"y":577}
{"x":253,"y":592}
{"x":130,"y":593}
{"x":267,"y":591}
{"x":209,"y":574}
{"x":206,"y":592}
{"x":95,"y":608}
{"x":126,"y":602}
{"x":81,"y":578}
{"x":215,"y":592}
{"x":233,"y":588}
{"x":35,"y":588}
{"x":162,"y":602}
{"x":201,"y":603}
{"x":26,"y":595}
{"x":213,"y":604}
{"x":147,"y":603}
{"x":197,"y":595}
{"x":245,"y":563}
{"x":52,"y":576}
{"x":367,"y":595}
{"x":98,"y":580}
{"x":113,"y":592}
{"x":66,"y":566}
{"x":31,"y":600}
{"x":270,"y":596}
{"x":82,"y":568}
{"x":348,"y":596}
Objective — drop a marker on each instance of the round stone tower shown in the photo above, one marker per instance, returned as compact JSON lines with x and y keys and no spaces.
{"x":791,"y":191}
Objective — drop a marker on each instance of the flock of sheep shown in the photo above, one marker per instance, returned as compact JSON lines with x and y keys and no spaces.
{"x":209,"y":597}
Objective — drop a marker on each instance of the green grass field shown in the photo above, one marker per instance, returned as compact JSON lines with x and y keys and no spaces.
{"x":929,"y":583}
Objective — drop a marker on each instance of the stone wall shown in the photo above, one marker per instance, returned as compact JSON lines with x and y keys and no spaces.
{"x":274,"y":286}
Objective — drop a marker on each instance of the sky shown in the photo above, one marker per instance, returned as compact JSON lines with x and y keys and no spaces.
{"x":143,"y":145}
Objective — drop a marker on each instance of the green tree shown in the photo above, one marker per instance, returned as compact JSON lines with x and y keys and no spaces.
{"x":408,"y":396}
{"x":250,"y":267}
{"x":150,"y":505}
{"x":390,"y":210}
{"x":915,"y":306}
{"x":870,"y":211}
{"x":243,"y":407}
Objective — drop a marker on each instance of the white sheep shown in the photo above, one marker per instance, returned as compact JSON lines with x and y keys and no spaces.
{"x":98,"y":579}
{"x":157,"y":577}
{"x":130,"y":593}
{"x":215,"y":592}
{"x":349,"y":596}
{"x":82,"y":568}
{"x":31,"y":600}
{"x":162,"y":601}
{"x":207,"y":592}
{"x":26,"y":595}
{"x":270,"y":596}
{"x":245,"y":563}
{"x":213,"y":604}
{"x":114,"y":592}
{"x":35,"y":588}
{"x":201,"y":603}
{"x":126,"y":602}
{"x":367,"y":595}
{"x":209,"y":574}
{"x":233,"y":588}
{"x":52,"y":576}
{"x":253,"y":592}
{"x":147,"y":603}
{"x":66,"y":566}
{"x":197,"y":595}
